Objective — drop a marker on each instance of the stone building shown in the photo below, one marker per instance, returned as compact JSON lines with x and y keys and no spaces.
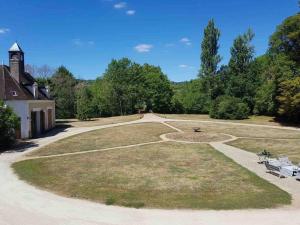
{"x":19,"y":90}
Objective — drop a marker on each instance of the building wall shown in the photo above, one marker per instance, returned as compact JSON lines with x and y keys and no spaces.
{"x":42,"y":105}
{"x":20,"y":107}
{"x":23,"y":109}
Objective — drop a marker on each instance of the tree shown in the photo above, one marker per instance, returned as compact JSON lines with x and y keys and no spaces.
{"x":192,"y":97}
{"x":62,"y":90}
{"x":243,"y":71}
{"x":209,"y":54}
{"x":123,"y":77}
{"x":227,"y":107}
{"x":286,"y":39}
{"x":158,"y":92}
{"x":210,"y":57}
{"x":241,"y":53}
{"x":43,"y":71}
{"x":8,"y":123}
{"x":83,"y":102}
{"x":289,"y":99}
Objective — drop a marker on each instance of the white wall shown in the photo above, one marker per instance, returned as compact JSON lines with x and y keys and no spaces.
{"x":20,"y":107}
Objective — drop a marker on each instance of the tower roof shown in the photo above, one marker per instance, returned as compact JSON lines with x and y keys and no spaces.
{"x":15,"y":48}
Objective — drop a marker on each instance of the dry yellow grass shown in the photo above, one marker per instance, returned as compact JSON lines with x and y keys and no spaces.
{"x":97,"y":121}
{"x":289,"y":147}
{"x":238,"y":130}
{"x":166,"y":175}
{"x":106,"y":138}
{"x":198,"y":136}
{"x":264,"y":120}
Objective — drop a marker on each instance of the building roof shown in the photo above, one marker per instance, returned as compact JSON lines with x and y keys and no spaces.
{"x":15,"y":48}
{"x":10,"y":89}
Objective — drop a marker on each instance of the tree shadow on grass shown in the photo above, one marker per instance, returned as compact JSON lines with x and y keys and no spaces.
{"x":23,"y":145}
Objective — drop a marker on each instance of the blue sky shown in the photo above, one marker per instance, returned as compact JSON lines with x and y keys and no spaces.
{"x":84,"y":35}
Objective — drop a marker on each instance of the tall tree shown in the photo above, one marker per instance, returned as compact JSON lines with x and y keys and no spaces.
{"x":210,"y":57}
{"x":286,"y":39}
{"x":289,"y":99}
{"x":243,"y":74}
{"x":210,"y":46}
{"x":62,"y":90}
{"x":242,"y":53}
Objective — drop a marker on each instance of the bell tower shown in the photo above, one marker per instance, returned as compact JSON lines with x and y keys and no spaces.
{"x":16,"y":62}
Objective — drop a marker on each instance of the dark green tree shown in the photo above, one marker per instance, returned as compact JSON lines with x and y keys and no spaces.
{"x":286,"y":39}
{"x":209,"y":50}
{"x":210,"y":57}
{"x":289,"y":100}
{"x":84,"y":102}
{"x":62,"y":90}
{"x":243,"y":71}
{"x":158,"y":90}
{"x":9,"y":122}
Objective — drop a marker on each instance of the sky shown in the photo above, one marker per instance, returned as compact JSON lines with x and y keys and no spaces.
{"x":85,"y":35}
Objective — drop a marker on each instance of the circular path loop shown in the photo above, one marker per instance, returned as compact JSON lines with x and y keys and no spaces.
{"x":23,"y":204}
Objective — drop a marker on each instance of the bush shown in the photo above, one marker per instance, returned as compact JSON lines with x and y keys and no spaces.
{"x":231,"y":108}
{"x":8,"y":123}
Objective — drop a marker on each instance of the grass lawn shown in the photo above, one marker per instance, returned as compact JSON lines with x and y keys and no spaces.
{"x":264,"y":120}
{"x":106,"y":138}
{"x":289,"y":147}
{"x":238,"y":130}
{"x":165,"y":175}
{"x":97,"y":121}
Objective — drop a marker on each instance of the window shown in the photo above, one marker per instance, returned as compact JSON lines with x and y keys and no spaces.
{"x":14,"y":93}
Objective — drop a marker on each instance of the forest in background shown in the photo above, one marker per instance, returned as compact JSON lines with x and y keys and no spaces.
{"x":247,"y":85}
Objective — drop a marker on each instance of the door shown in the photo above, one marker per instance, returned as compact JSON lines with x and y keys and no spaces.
{"x":50,"y":118}
{"x":42,"y":121}
{"x":33,"y":125}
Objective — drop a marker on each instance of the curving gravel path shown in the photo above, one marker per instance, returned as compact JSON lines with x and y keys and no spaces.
{"x":22,"y":204}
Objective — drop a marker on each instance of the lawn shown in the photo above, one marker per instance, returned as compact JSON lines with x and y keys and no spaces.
{"x":106,"y":138}
{"x":97,"y":121}
{"x":289,"y":147}
{"x":237,"y":130}
{"x":165,"y":175}
{"x":263,"y":120}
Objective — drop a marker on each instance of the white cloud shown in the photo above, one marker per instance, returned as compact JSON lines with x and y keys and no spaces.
{"x":184,"y":66}
{"x":4,"y":30}
{"x":130,"y":12}
{"x":143,"y":48}
{"x":120,"y":5}
{"x":186,"y":41}
{"x":78,"y":42}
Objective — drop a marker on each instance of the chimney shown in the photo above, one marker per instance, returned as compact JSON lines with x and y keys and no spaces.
{"x":35,"y":90}
{"x":48,"y":91}
{"x":16,"y":62}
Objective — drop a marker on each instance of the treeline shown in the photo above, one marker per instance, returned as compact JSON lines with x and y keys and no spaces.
{"x":266,"y":85}
{"x":125,"y":88}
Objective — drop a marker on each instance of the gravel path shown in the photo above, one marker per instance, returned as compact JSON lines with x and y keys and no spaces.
{"x":23,"y":204}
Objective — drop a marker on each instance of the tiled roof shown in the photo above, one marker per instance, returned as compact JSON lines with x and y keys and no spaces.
{"x":10,"y":89}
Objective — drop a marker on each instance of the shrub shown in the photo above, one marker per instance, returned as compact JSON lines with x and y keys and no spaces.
{"x":227,"y":107}
{"x":8,"y":123}
{"x":110,"y":200}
